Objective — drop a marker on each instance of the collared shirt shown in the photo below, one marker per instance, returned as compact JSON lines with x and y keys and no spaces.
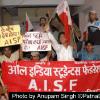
{"x":84,"y":55}
{"x":63,"y":53}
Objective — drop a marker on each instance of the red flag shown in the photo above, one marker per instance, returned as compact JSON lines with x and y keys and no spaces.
{"x":29,"y":25}
{"x":64,"y":15}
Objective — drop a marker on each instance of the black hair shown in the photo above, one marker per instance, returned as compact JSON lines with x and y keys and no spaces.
{"x":89,"y":42}
{"x":61,"y":33}
{"x":10,"y":47}
{"x":7,"y":47}
{"x":42,"y":18}
{"x":26,"y":54}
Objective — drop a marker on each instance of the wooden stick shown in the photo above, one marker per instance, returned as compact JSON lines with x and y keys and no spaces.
{"x":52,"y":16}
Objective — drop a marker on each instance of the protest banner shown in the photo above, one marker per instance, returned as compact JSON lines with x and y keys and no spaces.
{"x":36,"y":41}
{"x":10,"y":35}
{"x":29,"y":76}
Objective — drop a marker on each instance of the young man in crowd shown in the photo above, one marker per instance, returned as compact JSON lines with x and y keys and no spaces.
{"x":63,"y":50}
{"x":88,"y":52}
{"x":92,"y":31}
{"x":8,"y":55}
{"x":92,"y":20}
{"x":42,"y":24}
{"x":35,"y":56}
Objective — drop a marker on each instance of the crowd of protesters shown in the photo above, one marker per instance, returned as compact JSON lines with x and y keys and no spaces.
{"x":61,"y":50}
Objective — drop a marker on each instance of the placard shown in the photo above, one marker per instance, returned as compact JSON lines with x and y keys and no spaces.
{"x":36,"y":41}
{"x":10,"y":35}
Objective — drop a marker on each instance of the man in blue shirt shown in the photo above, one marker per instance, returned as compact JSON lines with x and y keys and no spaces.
{"x":88,"y":52}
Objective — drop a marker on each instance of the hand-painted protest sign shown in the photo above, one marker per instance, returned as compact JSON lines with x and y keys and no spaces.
{"x":36,"y":41}
{"x":10,"y":35}
{"x":29,"y":76}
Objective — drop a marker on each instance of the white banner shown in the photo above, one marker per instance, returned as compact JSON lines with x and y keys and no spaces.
{"x":36,"y":41}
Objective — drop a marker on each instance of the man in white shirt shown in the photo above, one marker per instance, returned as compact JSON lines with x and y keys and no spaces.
{"x":63,"y":50}
{"x":8,"y":56}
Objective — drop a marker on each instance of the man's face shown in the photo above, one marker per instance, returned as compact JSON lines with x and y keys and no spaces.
{"x":62,"y":39}
{"x":93,"y":16}
{"x":89,"y":47}
{"x":7,"y":52}
{"x":43,"y":22}
{"x":35,"y":57}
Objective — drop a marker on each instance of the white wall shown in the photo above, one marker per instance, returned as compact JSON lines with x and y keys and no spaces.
{"x":7,"y":18}
{"x":33,"y":13}
{"x":39,"y":2}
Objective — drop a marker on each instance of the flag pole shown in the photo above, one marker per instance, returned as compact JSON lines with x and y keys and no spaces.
{"x":53,"y":14}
